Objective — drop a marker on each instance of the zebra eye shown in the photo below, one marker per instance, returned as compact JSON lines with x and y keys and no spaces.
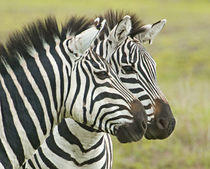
{"x":102,"y":74}
{"x":128,"y":69}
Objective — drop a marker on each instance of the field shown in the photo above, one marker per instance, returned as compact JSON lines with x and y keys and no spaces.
{"x":182,"y":54}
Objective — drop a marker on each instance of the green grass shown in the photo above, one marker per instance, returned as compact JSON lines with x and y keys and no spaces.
{"x":182,"y":54}
{"x":189,"y":145}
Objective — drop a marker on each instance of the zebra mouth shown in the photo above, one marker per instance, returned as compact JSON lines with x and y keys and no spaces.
{"x":149,"y":136}
{"x":134,"y":131}
{"x":153,"y":132}
{"x":131,"y":132}
{"x":161,"y":135}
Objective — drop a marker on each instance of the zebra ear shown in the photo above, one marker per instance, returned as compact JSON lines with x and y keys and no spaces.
{"x":121,"y":30}
{"x":81,"y":42}
{"x":150,"y":31}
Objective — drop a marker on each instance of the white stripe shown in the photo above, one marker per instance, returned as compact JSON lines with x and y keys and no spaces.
{"x":1,"y":166}
{"x":149,"y":118}
{"x":97,"y":50}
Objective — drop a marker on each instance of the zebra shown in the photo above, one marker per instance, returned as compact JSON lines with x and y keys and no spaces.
{"x":136,"y":68}
{"x":71,"y":149}
{"x":46,"y":77}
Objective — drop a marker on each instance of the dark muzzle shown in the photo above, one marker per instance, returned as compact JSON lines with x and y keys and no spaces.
{"x":134,"y":131}
{"x":163,"y":123}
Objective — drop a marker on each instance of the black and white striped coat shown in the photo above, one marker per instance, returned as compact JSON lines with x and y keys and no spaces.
{"x":119,"y":43}
{"x":46,"y":77}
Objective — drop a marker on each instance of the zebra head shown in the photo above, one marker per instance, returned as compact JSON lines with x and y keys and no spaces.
{"x":137,"y":70}
{"x":96,"y":96}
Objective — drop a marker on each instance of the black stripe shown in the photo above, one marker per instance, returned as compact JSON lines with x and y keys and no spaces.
{"x":95,"y":159}
{"x":151,"y":68}
{"x":95,"y":146}
{"x":78,"y":82}
{"x":65,"y":54}
{"x":57,"y":150}
{"x":114,"y":64}
{"x":106,"y":106}
{"x":101,"y":49}
{"x":91,"y":79}
{"x":68,"y":89}
{"x":31,"y":96}
{"x":136,"y":90}
{"x":144,"y":97}
{"x":31,"y":164}
{"x":37,"y":162}
{"x":85,"y":127}
{"x":105,"y":164}
{"x":110,"y":150}
{"x":123,"y":54}
{"x":146,"y":88}
{"x":66,"y":133}
{"x":149,"y":83}
{"x":4,"y":160}
{"x":104,"y":115}
{"x":10,"y":130}
{"x":107,"y":155}
{"x":23,"y":166}
{"x":147,"y":67}
{"x":129,"y":80}
{"x":60,"y":67}
{"x":117,"y":118}
{"x":118,"y":56}
{"x":106,"y":51}
{"x":35,"y":72}
{"x":144,"y":83}
{"x":87,"y":85}
{"x":146,"y":107}
{"x":23,"y":116}
{"x":47,"y":162}
{"x":106,"y":95}
{"x":50,"y":73}
{"x":132,"y":53}
{"x":153,"y":84}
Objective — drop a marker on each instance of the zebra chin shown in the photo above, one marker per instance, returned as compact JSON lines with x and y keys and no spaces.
{"x":129,"y":133}
{"x":133,"y":132}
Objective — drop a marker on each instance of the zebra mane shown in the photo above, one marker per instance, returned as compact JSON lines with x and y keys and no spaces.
{"x":34,"y":34}
{"x":113,"y":17}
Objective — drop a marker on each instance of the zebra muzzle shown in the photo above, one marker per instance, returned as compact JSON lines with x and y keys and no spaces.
{"x":134,"y":131}
{"x":163,"y":123}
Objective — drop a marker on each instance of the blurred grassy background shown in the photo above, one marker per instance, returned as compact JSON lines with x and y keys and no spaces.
{"x":182,"y":54}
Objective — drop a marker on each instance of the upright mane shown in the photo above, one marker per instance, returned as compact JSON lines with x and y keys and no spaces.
{"x":113,"y":17}
{"x":34,"y":34}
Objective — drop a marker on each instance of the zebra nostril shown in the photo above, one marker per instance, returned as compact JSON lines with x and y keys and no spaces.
{"x":162,"y":123}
